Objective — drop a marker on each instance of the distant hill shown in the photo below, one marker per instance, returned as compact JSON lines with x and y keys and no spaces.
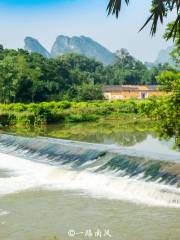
{"x":88,"y":47}
{"x":33,"y":45}
{"x":149,"y":64}
{"x":164,"y":56}
{"x":82,"y":45}
{"x":63,"y":44}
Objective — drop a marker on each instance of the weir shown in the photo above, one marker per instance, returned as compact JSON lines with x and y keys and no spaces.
{"x":96,"y":158}
{"x":96,"y":170}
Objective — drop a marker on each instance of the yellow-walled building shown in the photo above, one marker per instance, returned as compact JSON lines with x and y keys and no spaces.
{"x":116,"y":92}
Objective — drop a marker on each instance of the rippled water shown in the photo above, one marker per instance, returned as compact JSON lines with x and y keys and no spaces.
{"x":49,"y":187}
{"x":37,"y":215}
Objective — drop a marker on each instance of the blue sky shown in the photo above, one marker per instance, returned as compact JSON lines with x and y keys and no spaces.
{"x":47,"y":19}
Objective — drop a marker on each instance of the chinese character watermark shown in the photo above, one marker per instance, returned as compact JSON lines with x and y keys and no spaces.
{"x":89,"y":233}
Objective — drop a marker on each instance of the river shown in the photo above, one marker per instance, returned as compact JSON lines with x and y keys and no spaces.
{"x":93,"y":184}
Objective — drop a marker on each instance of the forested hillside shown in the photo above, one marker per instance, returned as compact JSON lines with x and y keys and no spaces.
{"x":30,"y":77}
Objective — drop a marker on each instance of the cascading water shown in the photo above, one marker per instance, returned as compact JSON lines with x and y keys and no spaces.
{"x":97,"y":170}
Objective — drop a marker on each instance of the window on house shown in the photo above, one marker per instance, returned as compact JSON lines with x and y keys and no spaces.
{"x":144,"y":95}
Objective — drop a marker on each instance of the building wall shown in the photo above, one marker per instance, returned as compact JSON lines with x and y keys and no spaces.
{"x":157,"y":93}
{"x":115,"y":95}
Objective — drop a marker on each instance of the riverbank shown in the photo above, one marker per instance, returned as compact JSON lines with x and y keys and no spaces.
{"x":39,"y":114}
{"x":126,"y":129}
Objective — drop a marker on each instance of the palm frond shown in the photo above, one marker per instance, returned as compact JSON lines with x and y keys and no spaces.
{"x":114,"y":7}
{"x":159,"y":11}
{"x":175,"y":30}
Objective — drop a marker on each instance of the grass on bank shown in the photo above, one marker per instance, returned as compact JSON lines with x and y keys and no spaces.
{"x":40,"y":114}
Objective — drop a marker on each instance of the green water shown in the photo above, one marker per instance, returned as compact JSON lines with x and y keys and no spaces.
{"x":125,"y":131}
{"x":37,"y":214}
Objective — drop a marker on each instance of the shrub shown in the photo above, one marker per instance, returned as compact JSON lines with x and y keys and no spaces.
{"x":80,"y":118}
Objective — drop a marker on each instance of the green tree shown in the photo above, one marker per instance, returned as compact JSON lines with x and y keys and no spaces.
{"x":8,"y":75}
{"x":29,"y":77}
{"x":175,"y":54}
{"x":27,"y":74}
{"x":169,"y":112}
{"x":127,"y":70}
{"x":1,"y":51}
{"x":88,"y":92}
{"x":158,"y":12}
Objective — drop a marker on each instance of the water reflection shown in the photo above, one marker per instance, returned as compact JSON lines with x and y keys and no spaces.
{"x":107,"y":132}
{"x":111,"y":132}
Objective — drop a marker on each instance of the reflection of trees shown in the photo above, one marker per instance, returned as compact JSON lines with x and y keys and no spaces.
{"x":106,"y":132}
{"x":109,"y":133}
{"x":120,"y":138}
{"x":129,"y":138}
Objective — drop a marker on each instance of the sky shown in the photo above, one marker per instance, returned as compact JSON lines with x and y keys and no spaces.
{"x":46,"y":19}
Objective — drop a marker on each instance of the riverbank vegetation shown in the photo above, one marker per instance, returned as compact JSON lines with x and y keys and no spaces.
{"x":65,"y":111}
{"x":38,"y":115}
{"x":124,"y":129}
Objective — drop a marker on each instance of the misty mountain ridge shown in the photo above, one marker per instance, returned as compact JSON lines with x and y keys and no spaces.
{"x":82,"y":45}
{"x":88,"y":47}
{"x":164,"y":56}
{"x":33,"y":45}
{"x":64,"y":44}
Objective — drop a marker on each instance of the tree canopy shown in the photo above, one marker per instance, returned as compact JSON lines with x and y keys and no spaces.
{"x":158,"y":12}
{"x":29,"y":77}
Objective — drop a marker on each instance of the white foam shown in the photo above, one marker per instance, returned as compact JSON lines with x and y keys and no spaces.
{"x":36,"y":175}
{"x":4,"y":213}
